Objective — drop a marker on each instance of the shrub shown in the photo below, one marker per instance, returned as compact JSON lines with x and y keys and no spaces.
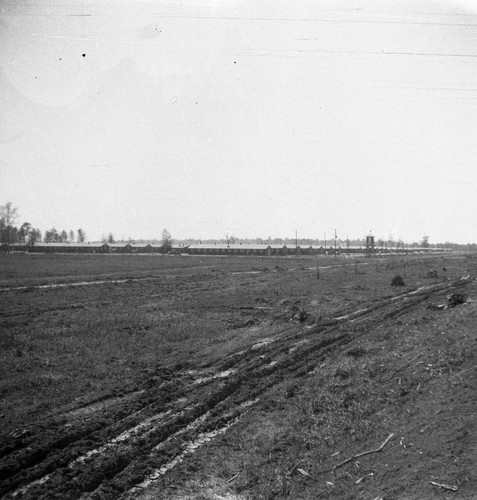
{"x":397,"y":281}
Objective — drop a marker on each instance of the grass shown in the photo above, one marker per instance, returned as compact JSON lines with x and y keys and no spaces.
{"x":115,"y":330}
{"x":60,"y":345}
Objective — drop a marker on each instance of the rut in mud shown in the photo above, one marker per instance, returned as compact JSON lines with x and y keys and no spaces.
{"x":115,"y":447}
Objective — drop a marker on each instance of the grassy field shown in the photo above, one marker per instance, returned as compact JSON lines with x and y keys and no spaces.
{"x":142,"y":376}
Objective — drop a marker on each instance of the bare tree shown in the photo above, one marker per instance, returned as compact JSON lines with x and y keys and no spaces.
{"x":71,"y":235}
{"x":425,"y":241}
{"x":166,"y":240}
{"x":9,"y":214}
{"x":230,"y":239}
{"x":111,"y":238}
{"x":81,"y":236}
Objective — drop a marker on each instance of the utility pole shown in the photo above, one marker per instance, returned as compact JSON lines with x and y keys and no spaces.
{"x":335,"y":243}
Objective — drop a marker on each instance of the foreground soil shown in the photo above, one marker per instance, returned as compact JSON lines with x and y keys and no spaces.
{"x":175,"y":378}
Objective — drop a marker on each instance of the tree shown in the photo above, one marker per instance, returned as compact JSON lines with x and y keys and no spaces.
{"x":52,"y":236}
{"x":34,"y":236}
{"x":64,"y":236}
{"x":425,"y":241}
{"x":71,"y":235}
{"x":24,"y":232}
{"x":111,"y":238}
{"x":230,"y":239}
{"x":13,"y":235}
{"x":81,"y":236}
{"x":166,"y":241}
{"x":9,"y":214}
{"x":3,"y":230}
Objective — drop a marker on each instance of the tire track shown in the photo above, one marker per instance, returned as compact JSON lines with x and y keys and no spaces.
{"x":156,"y":436}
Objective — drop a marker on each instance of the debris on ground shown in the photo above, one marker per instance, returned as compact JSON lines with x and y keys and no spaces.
{"x":444,"y":486}
{"x":436,"y":307}
{"x":298,"y":314}
{"x":454,"y":299}
{"x":432,"y":274}
{"x":237,"y":323}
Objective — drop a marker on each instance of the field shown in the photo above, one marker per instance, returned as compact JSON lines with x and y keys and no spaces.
{"x":208,"y":378}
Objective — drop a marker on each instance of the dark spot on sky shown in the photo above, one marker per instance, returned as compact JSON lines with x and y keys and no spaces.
{"x":235,"y":62}
{"x":84,"y":55}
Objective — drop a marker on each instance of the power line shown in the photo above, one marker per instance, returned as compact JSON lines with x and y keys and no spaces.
{"x":351,"y":52}
{"x":239,"y":18}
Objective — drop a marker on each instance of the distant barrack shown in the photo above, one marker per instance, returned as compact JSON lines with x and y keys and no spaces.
{"x":266,"y":250}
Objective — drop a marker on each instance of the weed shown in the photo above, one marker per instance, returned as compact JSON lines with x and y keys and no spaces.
{"x":397,"y":281}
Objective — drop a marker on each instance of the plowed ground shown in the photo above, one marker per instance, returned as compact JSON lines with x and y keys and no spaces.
{"x":195,"y":378}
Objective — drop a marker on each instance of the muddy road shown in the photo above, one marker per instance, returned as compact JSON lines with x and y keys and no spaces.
{"x":117,"y":445}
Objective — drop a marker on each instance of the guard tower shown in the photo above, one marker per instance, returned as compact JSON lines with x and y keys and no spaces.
{"x":370,"y":245}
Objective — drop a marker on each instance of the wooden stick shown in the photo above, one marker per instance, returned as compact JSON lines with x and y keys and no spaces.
{"x":233,"y":477}
{"x":468,"y":370}
{"x":377,"y":450}
{"x":445,"y":486}
{"x":408,"y":362}
{"x":294,"y":467}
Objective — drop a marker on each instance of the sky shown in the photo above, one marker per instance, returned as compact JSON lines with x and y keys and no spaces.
{"x":254,"y":118}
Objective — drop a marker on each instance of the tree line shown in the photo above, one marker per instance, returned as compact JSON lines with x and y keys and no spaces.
{"x":26,"y":234}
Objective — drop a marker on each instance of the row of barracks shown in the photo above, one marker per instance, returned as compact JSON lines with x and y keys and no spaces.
{"x":265,"y":250}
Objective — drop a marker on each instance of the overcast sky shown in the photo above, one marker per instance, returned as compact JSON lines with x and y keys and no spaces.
{"x":254,"y":118}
